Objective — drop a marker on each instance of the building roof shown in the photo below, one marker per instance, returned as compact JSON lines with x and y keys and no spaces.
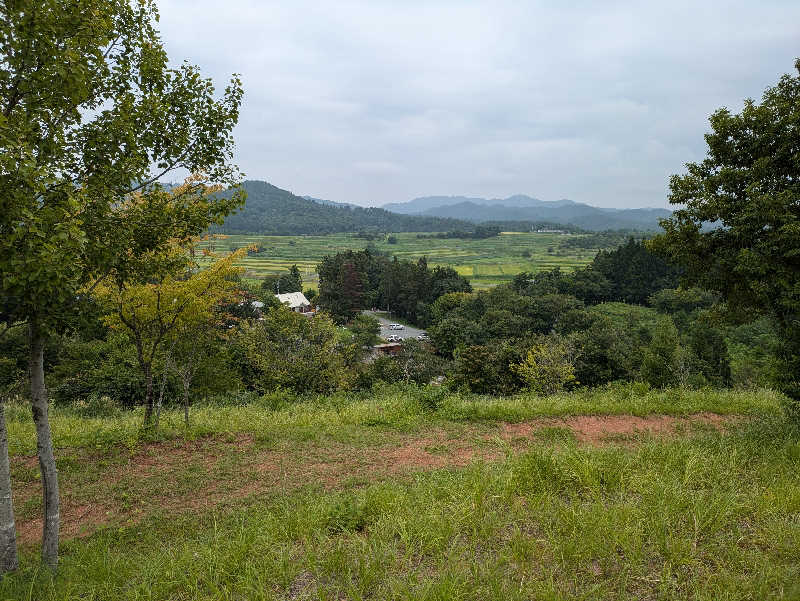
{"x":293,"y":299}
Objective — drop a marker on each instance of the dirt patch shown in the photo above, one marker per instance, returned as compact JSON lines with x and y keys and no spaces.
{"x":597,"y":429}
{"x":123,"y":492}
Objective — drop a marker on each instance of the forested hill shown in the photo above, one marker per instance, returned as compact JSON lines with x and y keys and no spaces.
{"x":272,"y":211}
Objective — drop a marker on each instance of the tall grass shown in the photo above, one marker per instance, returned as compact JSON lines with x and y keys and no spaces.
{"x":404,"y":408}
{"x":708,"y":517}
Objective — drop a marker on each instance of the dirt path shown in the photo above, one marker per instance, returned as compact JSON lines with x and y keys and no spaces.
{"x":118,"y":489}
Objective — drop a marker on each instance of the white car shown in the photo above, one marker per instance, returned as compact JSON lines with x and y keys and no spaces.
{"x":393,"y":338}
{"x":423,"y":336}
{"x":396,"y":326}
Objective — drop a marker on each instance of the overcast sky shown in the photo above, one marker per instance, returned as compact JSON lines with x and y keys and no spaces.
{"x":373,"y":102}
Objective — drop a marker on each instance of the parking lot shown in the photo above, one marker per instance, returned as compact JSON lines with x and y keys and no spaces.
{"x":406,"y":332}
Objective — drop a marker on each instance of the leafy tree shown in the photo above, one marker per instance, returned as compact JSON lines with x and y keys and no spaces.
{"x":634,"y":273}
{"x":661,"y":359}
{"x":547,"y":367}
{"x":366,"y":330}
{"x":686,"y":300}
{"x":454,"y":332}
{"x":475,"y":369}
{"x":603,"y":353}
{"x":290,"y":351}
{"x":150,"y":313}
{"x":710,"y":352}
{"x":90,"y":113}
{"x":749,"y":186}
{"x":283,"y":283}
{"x":417,"y":363}
{"x":489,"y":369}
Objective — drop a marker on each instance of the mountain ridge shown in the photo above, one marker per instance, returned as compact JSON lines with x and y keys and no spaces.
{"x":521,"y":207}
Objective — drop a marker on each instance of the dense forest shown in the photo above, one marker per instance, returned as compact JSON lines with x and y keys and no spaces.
{"x":272,"y":211}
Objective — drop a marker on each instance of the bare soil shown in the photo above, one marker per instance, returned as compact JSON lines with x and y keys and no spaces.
{"x":154,"y":476}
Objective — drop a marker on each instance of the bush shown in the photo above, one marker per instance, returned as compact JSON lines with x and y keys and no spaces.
{"x":547,"y":368}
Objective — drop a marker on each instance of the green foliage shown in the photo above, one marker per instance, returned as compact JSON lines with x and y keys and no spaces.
{"x":366,"y":330}
{"x":283,"y":283}
{"x":291,"y":351}
{"x":661,"y":358}
{"x":417,"y":363}
{"x":547,"y":368}
{"x":749,"y":185}
{"x":753,"y":349}
{"x":67,"y":165}
{"x":99,"y":368}
{"x":489,"y":369}
{"x":634,"y":272}
{"x":602,"y":351}
{"x":681,"y":300}
{"x":351,"y":281}
{"x":710,"y":352}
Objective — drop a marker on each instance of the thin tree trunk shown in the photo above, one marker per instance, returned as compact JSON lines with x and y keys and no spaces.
{"x":8,"y":532}
{"x":160,"y":397}
{"x":148,"y":399}
{"x":186,"y":403}
{"x":44,"y":445}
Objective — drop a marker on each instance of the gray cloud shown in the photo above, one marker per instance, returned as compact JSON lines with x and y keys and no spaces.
{"x":377,"y":101}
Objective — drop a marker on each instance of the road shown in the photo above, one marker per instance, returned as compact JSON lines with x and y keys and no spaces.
{"x":406,"y":332}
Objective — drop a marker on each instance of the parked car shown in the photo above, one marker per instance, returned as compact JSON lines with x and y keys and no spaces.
{"x":393,"y":338}
{"x":423,"y":336}
{"x":396,"y":326}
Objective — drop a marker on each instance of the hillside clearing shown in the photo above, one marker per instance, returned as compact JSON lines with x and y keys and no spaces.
{"x":166,"y":475}
{"x":651,"y":495}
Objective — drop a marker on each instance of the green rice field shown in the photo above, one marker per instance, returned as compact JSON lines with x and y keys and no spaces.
{"x":485,"y":263}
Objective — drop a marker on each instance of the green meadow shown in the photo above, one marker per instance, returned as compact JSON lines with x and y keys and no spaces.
{"x":486,"y":262}
{"x":418,"y":494}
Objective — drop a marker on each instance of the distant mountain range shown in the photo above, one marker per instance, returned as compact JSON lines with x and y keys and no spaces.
{"x":271,"y":210}
{"x":526,"y":208}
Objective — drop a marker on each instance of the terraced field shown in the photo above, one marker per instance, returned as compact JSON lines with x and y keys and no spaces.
{"x":485,"y":262}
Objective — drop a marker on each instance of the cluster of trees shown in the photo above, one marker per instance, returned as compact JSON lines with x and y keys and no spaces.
{"x":498,"y":337}
{"x":629,"y":274}
{"x":351,"y":281}
{"x":292,"y":281}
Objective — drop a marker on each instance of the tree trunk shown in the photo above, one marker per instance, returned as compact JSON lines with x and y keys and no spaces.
{"x":186,"y":403}
{"x":44,"y":445}
{"x":8,"y":532}
{"x":160,"y":398}
{"x":148,"y":399}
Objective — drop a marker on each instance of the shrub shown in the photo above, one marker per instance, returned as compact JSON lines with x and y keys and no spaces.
{"x":547,"y":368}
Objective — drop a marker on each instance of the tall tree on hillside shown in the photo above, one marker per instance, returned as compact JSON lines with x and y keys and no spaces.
{"x":90,"y":113}
{"x":749,"y":185}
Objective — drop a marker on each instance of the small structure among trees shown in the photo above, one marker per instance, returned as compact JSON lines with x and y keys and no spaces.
{"x":296,"y":301}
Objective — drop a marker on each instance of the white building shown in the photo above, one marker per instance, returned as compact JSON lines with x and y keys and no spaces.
{"x":296,"y":301}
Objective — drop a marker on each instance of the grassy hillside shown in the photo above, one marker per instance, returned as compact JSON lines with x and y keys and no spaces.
{"x":409,"y":493}
{"x":485,"y":262}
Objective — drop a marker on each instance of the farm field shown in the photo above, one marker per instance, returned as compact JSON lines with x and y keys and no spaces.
{"x":485,"y":262}
{"x":409,"y":493}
